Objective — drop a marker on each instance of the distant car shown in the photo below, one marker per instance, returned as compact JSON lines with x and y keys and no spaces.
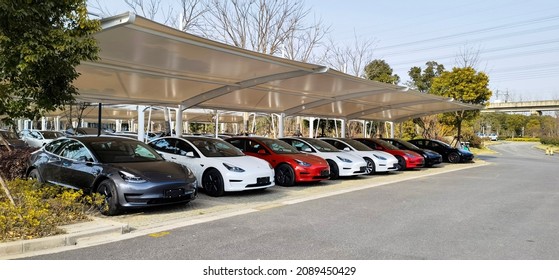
{"x":219,"y":166}
{"x":431,"y":157}
{"x":493,"y":137}
{"x":406,"y":159}
{"x":134,"y":135}
{"x":377,"y":161}
{"x":341,"y":164}
{"x":450,"y":154}
{"x":290,"y":165}
{"x":80,"y":131}
{"x":39,"y":138}
{"x":129,"y":173}
{"x":12,"y":139}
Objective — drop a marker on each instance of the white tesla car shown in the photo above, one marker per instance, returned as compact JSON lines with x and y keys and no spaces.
{"x":341,"y":164}
{"x":39,"y":138}
{"x":218,"y":166}
{"x":383,"y":161}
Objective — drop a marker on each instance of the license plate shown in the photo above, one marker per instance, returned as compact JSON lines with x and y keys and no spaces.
{"x":174,"y":193}
{"x":263,"y":180}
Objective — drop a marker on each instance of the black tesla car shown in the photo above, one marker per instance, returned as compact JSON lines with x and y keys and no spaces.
{"x":450,"y":154}
{"x":128,"y":172}
{"x":431,"y":157}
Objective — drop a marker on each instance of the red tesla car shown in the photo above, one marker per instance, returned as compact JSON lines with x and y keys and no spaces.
{"x":290,"y":165}
{"x":406,"y":159}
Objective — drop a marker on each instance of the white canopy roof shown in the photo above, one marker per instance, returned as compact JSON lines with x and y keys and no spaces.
{"x":144,"y":62}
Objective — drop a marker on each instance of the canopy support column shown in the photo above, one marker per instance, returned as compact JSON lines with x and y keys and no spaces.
{"x":216,"y":124}
{"x":57,"y":123}
{"x":343,"y":128}
{"x":99,"y":119}
{"x":179,"y":122}
{"x":43,"y":123}
{"x":311,"y":127}
{"x":141,"y":124}
{"x":281,"y":125}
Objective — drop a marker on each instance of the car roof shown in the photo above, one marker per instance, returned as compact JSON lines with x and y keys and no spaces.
{"x":93,"y":138}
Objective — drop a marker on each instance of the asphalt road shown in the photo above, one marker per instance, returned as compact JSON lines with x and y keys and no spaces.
{"x":507,"y":209}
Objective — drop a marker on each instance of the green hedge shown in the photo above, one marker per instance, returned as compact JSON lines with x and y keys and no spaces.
{"x":550,"y":141}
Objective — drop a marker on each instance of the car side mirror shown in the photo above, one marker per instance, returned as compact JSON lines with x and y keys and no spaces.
{"x":190,"y":154}
{"x":347,"y":149}
{"x":262,"y":152}
{"x":307,"y":149}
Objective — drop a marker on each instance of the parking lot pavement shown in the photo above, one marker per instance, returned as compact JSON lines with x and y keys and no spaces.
{"x":205,"y":208}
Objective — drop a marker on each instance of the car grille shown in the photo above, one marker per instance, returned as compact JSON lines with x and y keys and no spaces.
{"x":136,"y":199}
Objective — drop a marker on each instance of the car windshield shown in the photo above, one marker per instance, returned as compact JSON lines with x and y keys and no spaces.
{"x":279,"y":146}
{"x":215,"y":147}
{"x":51,"y":134}
{"x":321,"y":145}
{"x":443,"y":144}
{"x":408,"y":145}
{"x":386,"y":145}
{"x":357,"y":145}
{"x":123,"y":150}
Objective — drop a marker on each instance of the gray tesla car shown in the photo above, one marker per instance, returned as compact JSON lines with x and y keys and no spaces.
{"x":128,"y":172}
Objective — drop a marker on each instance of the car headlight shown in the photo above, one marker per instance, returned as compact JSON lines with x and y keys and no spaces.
{"x":233,"y":168}
{"x":131,"y":178}
{"x":380,"y":157}
{"x":409,"y":155}
{"x":302,"y":163}
{"x":344,"y":159}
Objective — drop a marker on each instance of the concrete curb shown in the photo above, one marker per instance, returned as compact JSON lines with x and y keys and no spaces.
{"x":75,"y":233}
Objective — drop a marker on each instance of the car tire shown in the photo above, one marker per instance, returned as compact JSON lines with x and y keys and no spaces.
{"x":34,"y":174}
{"x":110,"y":205}
{"x":401,"y":163}
{"x":285,"y":176}
{"x":453,"y":157}
{"x":212,"y":181}
{"x":370,"y":166}
{"x":334,"y":170}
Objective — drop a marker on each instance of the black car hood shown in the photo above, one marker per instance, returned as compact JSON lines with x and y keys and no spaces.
{"x":154,"y":170}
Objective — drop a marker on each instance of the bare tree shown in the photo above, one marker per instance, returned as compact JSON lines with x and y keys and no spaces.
{"x":350,"y":59}
{"x":273,"y":27}
{"x":191,"y":16}
{"x":302,"y":43}
{"x":76,"y":110}
{"x":151,"y":9}
{"x":468,"y":57}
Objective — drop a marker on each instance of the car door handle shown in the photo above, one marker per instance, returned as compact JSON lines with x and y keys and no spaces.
{"x":173,"y":158}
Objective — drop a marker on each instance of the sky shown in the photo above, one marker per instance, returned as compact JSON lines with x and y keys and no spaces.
{"x":517,"y":41}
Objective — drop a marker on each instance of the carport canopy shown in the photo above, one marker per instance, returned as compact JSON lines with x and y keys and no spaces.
{"x":146,"y":63}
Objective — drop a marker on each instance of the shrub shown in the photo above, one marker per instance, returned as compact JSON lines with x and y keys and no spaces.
{"x":550,"y":141}
{"x":527,"y":139}
{"x":475,"y":141}
{"x":40,"y":209}
{"x":14,"y":163}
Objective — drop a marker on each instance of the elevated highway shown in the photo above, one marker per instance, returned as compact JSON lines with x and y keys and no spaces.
{"x":534,"y":107}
